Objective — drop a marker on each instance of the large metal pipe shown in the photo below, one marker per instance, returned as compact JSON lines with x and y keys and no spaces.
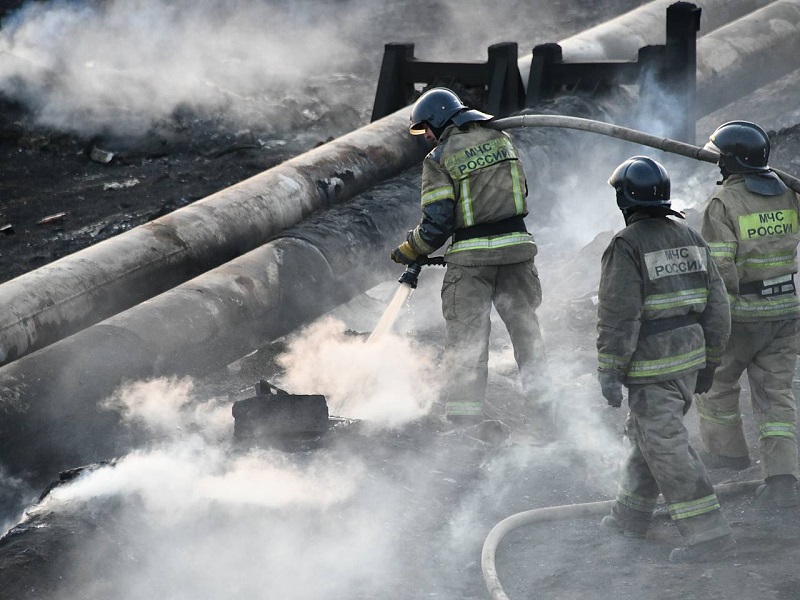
{"x":621,"y":38}
{"x":65,"y":296}
{"x":74,"y":292}
{"x":745,"y":54}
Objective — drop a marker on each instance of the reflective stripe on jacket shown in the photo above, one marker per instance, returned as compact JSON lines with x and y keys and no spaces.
{"x":473,"y":177}
{"x":657,"y":268}
{"x":753,"y":238}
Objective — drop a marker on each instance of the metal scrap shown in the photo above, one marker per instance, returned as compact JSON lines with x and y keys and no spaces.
{"x":100,"y":155}
{"x":54,"y":218}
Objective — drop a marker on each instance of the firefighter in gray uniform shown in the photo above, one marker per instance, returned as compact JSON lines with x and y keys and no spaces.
{"x":474,"y":190}
{"x":663,"y":320}
{"x":751,"y":226}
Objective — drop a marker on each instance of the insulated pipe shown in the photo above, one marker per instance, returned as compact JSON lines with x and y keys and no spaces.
{"x":742,"y":56}
{"x":621,"y":38}
{"x":567,"y":511}
{"x":627,"y":134}
{"x":65,"y":296}
{"x":76,"y":291}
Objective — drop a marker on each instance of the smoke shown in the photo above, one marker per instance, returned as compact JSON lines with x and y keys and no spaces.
{"x":195,"y":518}
{"x":166,"y":407}
{"x":123,"y":66}
{"x":115,"y":67}
{"x":388,"y":381}
{"x":182,"y":476}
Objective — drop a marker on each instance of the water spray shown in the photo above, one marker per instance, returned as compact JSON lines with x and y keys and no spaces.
{"x":408,"y":283}
{"x":627,"y":134}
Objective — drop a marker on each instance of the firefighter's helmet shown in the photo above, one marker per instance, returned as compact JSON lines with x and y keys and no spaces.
{"x":439,"y":106}
{"x":743,"y":147}
{"x":641,"y":182}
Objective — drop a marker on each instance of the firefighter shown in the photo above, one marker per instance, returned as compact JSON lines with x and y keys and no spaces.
{"x":751,"y":225}
{"x":474,"y":190}
{"x":663,"y":319}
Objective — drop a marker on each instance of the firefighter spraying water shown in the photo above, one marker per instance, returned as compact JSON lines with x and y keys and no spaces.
{"x":474,"y":190}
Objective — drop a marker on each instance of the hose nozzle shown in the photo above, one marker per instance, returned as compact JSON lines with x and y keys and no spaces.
{"x":411,"y":275}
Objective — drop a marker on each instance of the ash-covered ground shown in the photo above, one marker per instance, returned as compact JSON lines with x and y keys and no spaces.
{"x":387,"y":504}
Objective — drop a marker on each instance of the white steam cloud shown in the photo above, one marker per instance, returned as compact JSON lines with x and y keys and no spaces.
{"x":388,"y":381}
{"x":123,"y":66}
{"x":190,"y":474}
{"x":166,"y":407}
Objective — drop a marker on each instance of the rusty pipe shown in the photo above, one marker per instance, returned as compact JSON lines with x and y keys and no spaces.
{"x":69,"y":294}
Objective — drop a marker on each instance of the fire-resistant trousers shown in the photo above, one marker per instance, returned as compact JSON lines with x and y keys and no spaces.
{"x":662,"y":459}
{"x":468,"y":294}
{"x":767,"y":350}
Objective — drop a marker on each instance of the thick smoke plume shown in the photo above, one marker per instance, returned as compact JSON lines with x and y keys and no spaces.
{"x":115,"y":67}
{"x":119,"y":66}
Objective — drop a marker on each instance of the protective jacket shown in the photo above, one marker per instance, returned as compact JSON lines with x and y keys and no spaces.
{"x":753,"y":240}
{"x":663,"y":311}
{"x":474,"y":188}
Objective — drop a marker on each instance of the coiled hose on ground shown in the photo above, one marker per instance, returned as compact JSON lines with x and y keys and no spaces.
{"x":553,"y":513}
{"x":624,"y":133}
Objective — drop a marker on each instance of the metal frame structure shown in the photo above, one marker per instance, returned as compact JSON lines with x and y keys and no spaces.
{"x":400,"y":71}
{"x":668,"y":69}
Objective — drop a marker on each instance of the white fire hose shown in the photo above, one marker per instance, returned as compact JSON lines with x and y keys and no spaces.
{"x":554,"y":513}
{"x":624,"y":133}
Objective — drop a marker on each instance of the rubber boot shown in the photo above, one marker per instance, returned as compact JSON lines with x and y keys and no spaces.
{"x":630,"y":523}
{"x":716,"y":461}
{"x":780,"y":491}
{"x":715,"y":549}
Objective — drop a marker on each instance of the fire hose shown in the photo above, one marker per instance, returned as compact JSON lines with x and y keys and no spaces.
{"x":627,"y":134}
{"x":554,"y":513}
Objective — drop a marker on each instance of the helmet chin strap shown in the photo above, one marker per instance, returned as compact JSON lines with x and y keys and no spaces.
{"x":724,"y":172}
{"x":437,"y":131}
{"x":626,"y":214}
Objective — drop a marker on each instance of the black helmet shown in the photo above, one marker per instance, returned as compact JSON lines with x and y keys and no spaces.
{"x":437,"y":107}
{"x":743,"y":147}
{"x":641,"y":182}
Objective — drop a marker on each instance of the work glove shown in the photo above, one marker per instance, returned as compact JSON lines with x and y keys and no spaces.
{"x":611,"y":384}
{"x":705,"y":377}
{"x":404,"y":254}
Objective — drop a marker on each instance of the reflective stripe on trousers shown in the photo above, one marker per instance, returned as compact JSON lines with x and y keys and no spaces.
{"x":663,"y":460}
{"x":468,"y":294}
{"x":768,"y":352}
